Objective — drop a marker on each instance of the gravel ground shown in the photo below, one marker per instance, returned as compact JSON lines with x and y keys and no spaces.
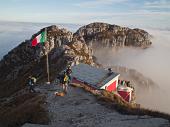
{"x":79,"y":108}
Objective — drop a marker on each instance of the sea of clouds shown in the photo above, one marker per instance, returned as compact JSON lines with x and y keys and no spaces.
{"x":153,"y":62}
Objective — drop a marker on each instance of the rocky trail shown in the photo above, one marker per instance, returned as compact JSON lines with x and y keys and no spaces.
{"x":79,"y":108}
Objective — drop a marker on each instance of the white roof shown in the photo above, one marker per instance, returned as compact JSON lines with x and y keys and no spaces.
{"x":96,"y":77}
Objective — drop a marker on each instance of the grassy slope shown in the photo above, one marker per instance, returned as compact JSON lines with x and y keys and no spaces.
{"x":22,"y":109}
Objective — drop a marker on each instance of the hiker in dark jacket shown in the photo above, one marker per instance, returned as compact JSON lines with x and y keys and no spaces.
{"x":31,"y":84}
{"x":68,"y":72}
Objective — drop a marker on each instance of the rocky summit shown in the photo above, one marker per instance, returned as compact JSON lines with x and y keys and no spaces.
{"x":107,"y":35}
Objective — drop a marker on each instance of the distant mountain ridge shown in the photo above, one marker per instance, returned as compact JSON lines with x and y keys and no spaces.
{"x":107,"y":35}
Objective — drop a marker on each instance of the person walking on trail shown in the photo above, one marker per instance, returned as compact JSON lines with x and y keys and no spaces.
{"x":68,"y":72}
{"x":31,"y":84}
{"x":64,"y":81}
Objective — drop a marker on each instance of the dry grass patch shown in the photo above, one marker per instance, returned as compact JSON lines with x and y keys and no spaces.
{"x":123,"y":107}
{"x":27,"y":108}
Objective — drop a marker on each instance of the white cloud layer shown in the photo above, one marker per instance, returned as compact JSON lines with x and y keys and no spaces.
{"x":94,"y":3}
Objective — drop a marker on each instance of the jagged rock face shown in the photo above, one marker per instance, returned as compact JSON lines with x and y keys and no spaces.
{"x":58,"y":37}
{"x":71,"y":54}
{"x":83,"y":53}
{"x":26,"y":60}
{"x":107,"y":35}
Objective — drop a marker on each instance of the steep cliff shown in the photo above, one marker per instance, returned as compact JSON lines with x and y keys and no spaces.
{"x":107,"y":35}
{"x":25,"y":60}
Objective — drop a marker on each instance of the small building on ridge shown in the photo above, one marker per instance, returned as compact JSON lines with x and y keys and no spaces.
{"x":95,"y":78}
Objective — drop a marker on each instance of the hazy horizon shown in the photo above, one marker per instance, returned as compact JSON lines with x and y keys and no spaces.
{"x":14,"y":33}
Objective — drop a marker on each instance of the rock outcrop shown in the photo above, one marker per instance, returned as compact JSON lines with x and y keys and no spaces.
{"x":25,"y":60}
{"x":107,"y":35}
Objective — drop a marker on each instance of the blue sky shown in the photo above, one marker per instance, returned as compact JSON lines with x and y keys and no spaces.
{"x":126,"y":12}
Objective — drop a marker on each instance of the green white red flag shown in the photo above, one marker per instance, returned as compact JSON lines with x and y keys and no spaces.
{"x":41,"y":38}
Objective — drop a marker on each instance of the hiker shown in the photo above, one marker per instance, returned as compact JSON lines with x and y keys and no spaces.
{"x":110,"y":71}
{"x":128,"y":84}
{"x":64,"y":79}
{"x":31,"y":84}
{"x":119,"y":82}
{"x":69,"y":71}
{"x":124,"y":83}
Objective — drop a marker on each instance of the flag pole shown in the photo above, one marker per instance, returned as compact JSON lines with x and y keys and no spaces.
{"x":47,"y":46}
{"x":48,"y":69}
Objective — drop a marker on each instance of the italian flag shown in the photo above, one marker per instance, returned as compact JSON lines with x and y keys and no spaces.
{"x":41,"y":38}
